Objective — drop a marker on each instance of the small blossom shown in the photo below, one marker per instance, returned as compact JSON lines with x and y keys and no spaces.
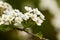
{"x":17,"y":11}
{"x":34,"y":17}
{"x":5,"y":7}
{"x":27,"y":15}
{"x":29,"y":9}
{"x":8,"y":11}
{"x":6,"y":23}
{"x":12,"y":13}
{"x":1,"y":21}
{"x":10,"y":18}
{"x":20,"y":14}
{"x":8,"y":6}
{"x":36,"y":11}
{"x":24,"y":17}
{"x":18,"y":19}
{"x":4,"y":17}
{"x":1,"y":2}
{"x":42,"y":16}
{"x":39,"y":21}
{"x":16,"y":24}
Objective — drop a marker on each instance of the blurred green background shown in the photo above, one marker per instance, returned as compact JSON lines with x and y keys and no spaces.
{"x":47,"y":29}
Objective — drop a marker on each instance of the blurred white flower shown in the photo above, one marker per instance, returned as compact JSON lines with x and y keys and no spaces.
{"x":6,"y":23}
{"x":12,"y":13}
{"x":18,"y":19}
{"x":16,"y":24}
{"x":34,"y":17}
{"x":4,"y":17}
{"x":1,"y":21}
{"x":1,"y":2}
{"x":29,"y":9}
{"x":42,"y":16}
{"x":36,"y":11}
{"x":19,"y":25}
{"x":5,"y":7}
{"x":18,"y":13}
{"x":10,"y":18}
{"x":24,"y":17}
{"x":39,"y":21}
{"x":27,"y":15}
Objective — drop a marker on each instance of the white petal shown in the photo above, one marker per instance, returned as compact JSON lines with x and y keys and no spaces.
{"x":28,"y":8}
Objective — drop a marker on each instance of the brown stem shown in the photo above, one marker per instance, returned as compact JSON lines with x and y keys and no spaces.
{"x":28,"y":33}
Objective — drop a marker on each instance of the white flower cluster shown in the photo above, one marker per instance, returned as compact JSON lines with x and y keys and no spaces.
{"x":16,"y":17}
{"x":4,"y":7}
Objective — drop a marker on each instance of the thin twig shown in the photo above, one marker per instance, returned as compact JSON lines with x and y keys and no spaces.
{"x":28,"y":33}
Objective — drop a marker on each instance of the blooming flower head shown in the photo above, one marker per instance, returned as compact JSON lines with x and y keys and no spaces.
{"x":5,"y":7}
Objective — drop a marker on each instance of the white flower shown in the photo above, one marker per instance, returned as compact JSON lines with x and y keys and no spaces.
{"x":39,"y":21}
{"x":36,"y":11}
{"x":12,"y":13}
{"x":18,"y":19}
{"x":10,"y":18}
{"x":27,"y":15}
{"x":5,"y":5}
{"x":4,"y":17}
{"x":8,"y":6}
{"x":1,"y":2}
{"x":7,"y":11}
{"x":29,"y":9}
{"x":42,"y":16}
{"x":16,"y":24}
{"x":17,"y":11}
{"x":6,"y":23}
{"x":24,"y":17}
{"x":20,"y":14}
{"x":34,"y":17}
{"x":1,"y":21}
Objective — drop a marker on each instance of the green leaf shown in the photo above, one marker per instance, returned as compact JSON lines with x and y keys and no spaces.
{"x":40,"y":35}
{"x":5,"y":28}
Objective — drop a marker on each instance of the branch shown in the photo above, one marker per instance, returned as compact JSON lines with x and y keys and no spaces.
{"x":29,"y":33}
{"x":25,"y":31}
